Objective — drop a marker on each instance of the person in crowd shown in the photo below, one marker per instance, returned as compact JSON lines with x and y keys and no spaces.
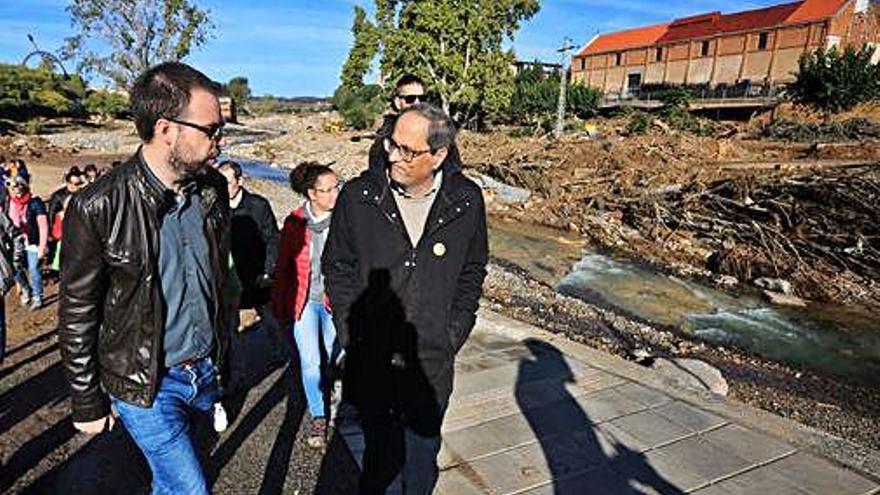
{"x":73,"y":180}
{"x":254,"y":239}
{"x":298,"y":298}
{"x":8,"y":235}
{"x":56,"y":232}
{"x":409,"y":91}
{"x":16,"y":167}
{"x":142,"y":317}
{"x":28,"y":213}
{"x":90,"y":173}
{"x":404,"y":266}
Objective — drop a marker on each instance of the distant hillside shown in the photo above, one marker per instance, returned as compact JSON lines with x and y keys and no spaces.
{"x":280,"y":104}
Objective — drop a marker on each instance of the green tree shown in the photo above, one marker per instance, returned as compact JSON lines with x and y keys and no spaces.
{"x":239,"y":90}
{"x":359,"y":107}
{"x":536,"y":96}
{"x":366,"y":45}
{"x":456,"y":46}
{"x":833,"y":81}
{"x":136,"y":34}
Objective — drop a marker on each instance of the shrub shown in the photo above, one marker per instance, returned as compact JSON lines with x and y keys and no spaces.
{"x":106,"y":104}
{"x":639,"y":123}
{"x":34,"y":126}
{"x":834,"y":81}
{"x":359,"y":107}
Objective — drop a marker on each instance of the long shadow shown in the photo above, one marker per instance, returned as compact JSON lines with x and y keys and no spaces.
{"x":577,"y":461}
{"x":384,"y":379}
{"x":30,"y":359}
{"x":111,"y":462}
{"x":17,"y":404}
{"x":255,"y":367}
{"x":107,"y":463}
{"x":279,"y":458}
{"x":35,"y":340}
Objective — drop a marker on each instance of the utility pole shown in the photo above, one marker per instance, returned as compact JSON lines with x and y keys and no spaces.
{"x":566,"y":47}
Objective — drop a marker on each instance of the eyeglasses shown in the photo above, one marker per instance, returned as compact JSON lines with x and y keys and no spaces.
{"x":213,"y":131}
{"x":337,"y":188}
{"x":406,"y":154}
{"x":410,"y":99}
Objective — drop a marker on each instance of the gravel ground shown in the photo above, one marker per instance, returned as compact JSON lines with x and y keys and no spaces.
{"x":263,"y":451}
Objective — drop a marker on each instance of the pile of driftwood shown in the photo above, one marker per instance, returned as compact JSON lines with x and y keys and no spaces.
{"x":819,"y":230}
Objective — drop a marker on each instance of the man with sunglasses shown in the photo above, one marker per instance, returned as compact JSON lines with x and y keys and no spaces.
{"x":142,"y":318}
{"x":409,"y":91}
{"x":404,"y":265}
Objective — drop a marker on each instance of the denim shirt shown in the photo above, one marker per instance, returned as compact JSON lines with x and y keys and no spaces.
{"x":184,"y":271}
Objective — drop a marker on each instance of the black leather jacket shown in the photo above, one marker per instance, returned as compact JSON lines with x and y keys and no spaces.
{"x":111,"y":315}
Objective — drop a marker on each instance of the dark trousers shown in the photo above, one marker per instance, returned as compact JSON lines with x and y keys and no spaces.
{"x":393,"y":449}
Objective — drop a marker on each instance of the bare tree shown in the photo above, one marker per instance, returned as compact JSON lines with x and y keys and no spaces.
{"x":119,"y":39}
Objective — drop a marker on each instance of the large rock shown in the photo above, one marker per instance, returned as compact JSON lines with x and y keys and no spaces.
{"x":775,"y":285}
{"x":780,"y":299}
{"x":692,"y":374}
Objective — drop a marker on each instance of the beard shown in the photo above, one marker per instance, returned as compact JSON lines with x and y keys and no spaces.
{"x":184,"y":165}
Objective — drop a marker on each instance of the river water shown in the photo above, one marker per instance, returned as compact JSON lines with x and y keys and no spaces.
{"x":831,"y":340}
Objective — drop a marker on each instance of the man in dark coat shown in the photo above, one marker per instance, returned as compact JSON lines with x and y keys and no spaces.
{"x":404,"y":265}
{"x":254,"y":238}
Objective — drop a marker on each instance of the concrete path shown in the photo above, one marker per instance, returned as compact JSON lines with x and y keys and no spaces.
{"x":534,"y":413}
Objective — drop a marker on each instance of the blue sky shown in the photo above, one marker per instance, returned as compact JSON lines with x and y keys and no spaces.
{"x":296,"y":47}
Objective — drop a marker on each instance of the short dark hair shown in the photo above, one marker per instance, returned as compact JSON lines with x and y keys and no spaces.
{"x":164,"y":91}
{"x":231,"y":165}
{"x":407,"y":79}
{"x":441,"y":129}
{"x":91,"y":167}
{"x":305,"y":175}
{"x":72,"y":172}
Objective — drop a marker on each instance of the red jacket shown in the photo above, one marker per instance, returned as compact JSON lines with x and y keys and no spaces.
{"x":290,"y":290}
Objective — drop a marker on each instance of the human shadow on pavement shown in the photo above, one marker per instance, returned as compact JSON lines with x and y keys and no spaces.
{"x":384,"y":379}
{"x":580,"y":462}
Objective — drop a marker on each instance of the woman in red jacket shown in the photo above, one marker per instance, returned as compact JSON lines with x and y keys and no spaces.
{"x":298,"y":297}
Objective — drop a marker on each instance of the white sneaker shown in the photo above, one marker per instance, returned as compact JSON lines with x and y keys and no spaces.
{"x":221,"y":422}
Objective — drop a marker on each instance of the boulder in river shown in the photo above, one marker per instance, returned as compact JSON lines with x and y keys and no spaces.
{"x":692,"y":374}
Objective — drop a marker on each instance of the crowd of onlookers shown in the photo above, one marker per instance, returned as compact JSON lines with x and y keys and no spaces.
{"x":30,"y":232}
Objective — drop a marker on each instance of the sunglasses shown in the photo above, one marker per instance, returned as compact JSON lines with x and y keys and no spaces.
{"x":410,"y":99}
{"x":213,"y":131}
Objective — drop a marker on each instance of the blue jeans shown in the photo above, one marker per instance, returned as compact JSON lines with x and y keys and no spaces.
{"x":316,"y":324}
{"x":36,"y":279}
{"x":163,"y":432}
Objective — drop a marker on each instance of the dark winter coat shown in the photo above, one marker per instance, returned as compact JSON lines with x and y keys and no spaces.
{"x":254,"y":246}
{"x":403,"y":311}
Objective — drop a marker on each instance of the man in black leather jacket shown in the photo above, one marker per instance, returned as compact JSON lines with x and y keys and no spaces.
{"x":141,"y":318}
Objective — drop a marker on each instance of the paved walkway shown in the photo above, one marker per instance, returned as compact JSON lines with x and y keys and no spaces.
{"x":534,"y":413}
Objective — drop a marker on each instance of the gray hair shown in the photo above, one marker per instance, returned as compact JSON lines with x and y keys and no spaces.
{"x":441,"y":129}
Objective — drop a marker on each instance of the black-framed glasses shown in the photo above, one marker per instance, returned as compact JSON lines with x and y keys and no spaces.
{"x":213,"y":131}
{"x":410,"y":99}
{"x":406,"y":154}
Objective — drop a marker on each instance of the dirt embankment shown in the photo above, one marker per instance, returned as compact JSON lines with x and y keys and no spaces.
{"x":714,"y":207}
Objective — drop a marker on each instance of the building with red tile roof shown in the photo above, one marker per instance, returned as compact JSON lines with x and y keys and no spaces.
{"x":761,"y":46}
